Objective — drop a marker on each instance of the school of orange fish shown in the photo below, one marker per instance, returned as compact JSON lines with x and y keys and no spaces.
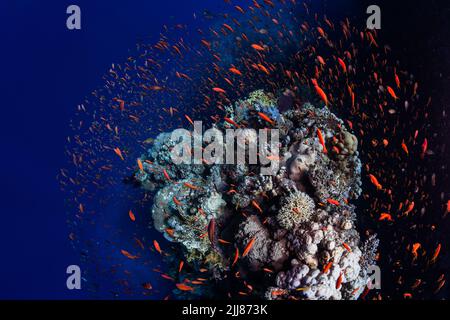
{"x":274,"y":45}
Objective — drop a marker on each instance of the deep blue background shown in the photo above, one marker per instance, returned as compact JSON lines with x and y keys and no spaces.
{"x":45,"y":71}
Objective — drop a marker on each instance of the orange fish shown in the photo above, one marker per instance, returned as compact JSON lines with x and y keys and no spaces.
{"x":327,"y":267}
{"x":436,"y":253}
{"x":166,"y":175}
{"x":248,"y":247}
{"x":212,"y":231}
{"x":265,"y":118}
{"x":385,"y":216}
{"x":140,"y":165}
{"x":321,"y":94}
{"x":230,"y":121}
{"x":219,"y":90}
{"x":177,"y":202}
{"x":342,"y":64}
{"x":257,"y":47}
{"x":321,"y":140}
{"x":405,"y":148}
{"x":180,"y":266}
{"x":131,"y":215}
{"x":256,"y":205}
{"x":189,"y":119}
{"x":190,"y":186}
{"x":347,"y":247}
{"x":128,"y":255}
{"x":392,"y":93}
{"x":119,"y":153}
{"x":333,"y":202}
{"x":236,"y":256}
{"x":375,"y":182}
{"x":157,"y":247}
{"x":416,"y":246}
{"x":183,"y":287}
{"x":339,"y":281}
{"x":235,"y":71}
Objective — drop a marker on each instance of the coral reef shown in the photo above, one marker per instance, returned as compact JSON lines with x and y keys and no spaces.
{"x":289,"y":235}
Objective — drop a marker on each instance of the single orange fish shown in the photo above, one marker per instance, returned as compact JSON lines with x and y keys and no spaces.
{"x":321,"y":140}
{"x":321,"y":94}
{"x":256,"y":205}
{"x":257,"y":47}
{"x":339,"y":281}
{"x":436,"y":253}
{"x":248,"y":247}
{"x":157,"y":247}
{"x":119,"y":153}
{"x":266,"y":118}
{"x":140,"y":165}
{"x":236,"y":256}
{"x":333,"y":202}
{"x":131,"y":215}
{"x":128,"y":255}
{"x":392,"y":93}
{"x":183,"y":287}
{"x":375,"y":182}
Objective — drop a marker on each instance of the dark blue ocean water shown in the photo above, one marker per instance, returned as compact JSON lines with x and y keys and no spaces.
{"x":46,"y":71}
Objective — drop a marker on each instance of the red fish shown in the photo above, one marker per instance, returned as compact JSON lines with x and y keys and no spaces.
{"x":157,"y":247}
{"x":321,"y":94}
{"x":131,"y":215}
{"x":265,"y":118}
{"x":248,"y":247}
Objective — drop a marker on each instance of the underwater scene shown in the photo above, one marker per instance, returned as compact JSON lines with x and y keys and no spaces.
{"x":230,"y":150}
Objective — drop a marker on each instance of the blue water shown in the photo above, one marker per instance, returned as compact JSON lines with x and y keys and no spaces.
{"x":46,"y":71}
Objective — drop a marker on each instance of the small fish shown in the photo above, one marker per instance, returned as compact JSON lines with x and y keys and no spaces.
{"x":342,"y":64}
{"x":140,"y":165}
{"x":266,"y":118}
{"x":190,"y":186}
{"x":248,"y":247}
{"x":180,"y":266}
{"x":166,"y":175}
{"x":236,"y":256}
{"x":128,"y":255}
{"x":333,"y":202}
{"x":131,"y":215}
{"x":347,"y":247}
{"x":405,"y":148}
{"x":321,"y":94}
{"x":119,"y":153}
{"x":375,"y":182}
{"x":183,"y":287}
{"x":230,"y":121}
{"x":212,"y":231}
{"x":327,"y":267}
{"x":219,"y":90}
{"x":339,"y":281}
{"x":235,"y":71}
{"x":436,"y":253}
{"x":385,"y":216}
{"x":322,"y":140}
{"x":392,"y":93}
{"x":157,"y":247}
{"x":177,"y":202}
{"x":257,"y":47}
{"x":256,"y":205}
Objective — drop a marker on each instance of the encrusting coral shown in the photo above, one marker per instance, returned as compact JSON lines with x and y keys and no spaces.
{"x":289,"y":235}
